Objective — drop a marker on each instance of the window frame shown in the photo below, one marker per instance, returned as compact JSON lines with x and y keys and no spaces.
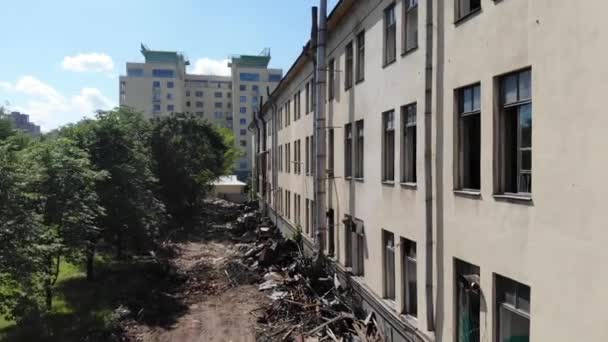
{"x":462,"y":147}
{"x":408,"y":258}
{"x":331,"y":82}
{"x":389,"y":268}
{"x":408,"y":9}
{"x":409,"y":164}
{"x":459,"y":16}
{"x":388,"y":155}
{"x":349,"y":65}
{"x":506,"y":108}
{"x":360,"y":61}
{"x":348,"y":150}
{"x":389,"y":32}
{"x":359,"y":149}
{"x":500,"y":283}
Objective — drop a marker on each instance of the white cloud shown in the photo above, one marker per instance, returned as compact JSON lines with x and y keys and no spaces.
{"x":5,"y":85}
{"x":88,"y":62}
{"x":50,"y":109}
{"x":208,"y":66}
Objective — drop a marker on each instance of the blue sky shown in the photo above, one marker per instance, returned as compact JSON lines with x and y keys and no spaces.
{"x":61,"y":59}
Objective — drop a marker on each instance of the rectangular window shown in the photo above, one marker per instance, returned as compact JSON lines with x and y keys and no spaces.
{"x":255,"y":88}
{"x":218,"y":105}
{"x":274,"y":77}
{"x":287,"y":157}
{"x":249,"y":77}
{"x":468,"y":299}
{"x":469,"y":137}
{"x":163,"y":73}
{"x":388,"y":243}
{"x":307,"y":98}
{"x":280,"y":118}
{"x":513,"y":310}
{"x":169,"y":96}
{"x":390,"y":35}
{"x":287,"y":113}
{"x":307,"y":147}
{"x":516,"y":133}
{"x":331,"y":79}
{"x":348,"y":150}
{"x":170,"y":84}
{"x":312,"y":154}
{"x":360,"y":56}
{"x":156,"y":84}
{"x":359,"y":150}
{"x":356,"y":242}
{"x":408,"y":144}
{"x":243,"y":132}
{"x":198,"y":94}
{"x":188,"y":93}
{"x":388,"y":146}
{"x":243,"y":110}
{"x":465,"y":8}
{"x":243,"y":99}
{"x":296,"y":154}
{"x":280,"y":158}
{"x":243,"y":87}
{"x":170,"y":108}
{"x":156,"y":108}
{"x":307,"y":225}
{"x":187,"y":103}
{"x":299,"y":105}
{"x":218,"y":115}
{"x":330,"y":152}
{"x":243,"y":121}
{"x":348,"y":61}
{"x":410,"y":25}
{"x":135,"y":72}
{"x":217,"y":94}
{"x":410,"y":295}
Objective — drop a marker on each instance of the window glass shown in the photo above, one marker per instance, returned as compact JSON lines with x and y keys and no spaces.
{"x":274,"y":77}
{"x":170,"y":84}
{"x":163,"y":73}
{"x":242,"y":87}
{"x":250,"y":77}
{"x":243,"y":99}
{"x":476,"y":99}
{"x":525,"y":92}
{"x":510,"y":89}
{"x":135,"y":72}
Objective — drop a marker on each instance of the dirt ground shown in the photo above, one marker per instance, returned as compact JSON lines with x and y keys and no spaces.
{"x":219,"y":308}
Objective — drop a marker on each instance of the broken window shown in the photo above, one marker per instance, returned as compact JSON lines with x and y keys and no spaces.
{"x":466,"y":7}
{"x":410,"y":25}
{"x":348,"y":150}
{"x":468,"y":299}
{"x":360,"y":56}
{"x":388,"y":146}
{"x":390,"y":35}
{"x":408,"y":145}
{"x":348,"y":73}
{"x":388,"y":242}
{"x":516,"y":132}
{"x":513,"y":306}
{"x":359,"y":150}
{"x":469,"y":137}
{"x":408,"y":253}
{"x":331,"y":80}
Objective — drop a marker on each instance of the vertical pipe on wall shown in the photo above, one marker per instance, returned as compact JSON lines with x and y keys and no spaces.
{"x":320,"y":149}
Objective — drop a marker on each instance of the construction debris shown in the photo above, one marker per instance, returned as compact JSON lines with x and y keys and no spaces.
{"x":308,"y":303}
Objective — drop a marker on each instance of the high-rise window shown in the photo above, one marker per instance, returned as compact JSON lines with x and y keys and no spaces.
{"x":410,"y":25}
{"x":163,"y":73}
{"x":390,"y":35}
{"x":169,"y":96}
{"x":243,"y":99}
{"x":360,"y":56}
{"x":468,"y":300}
{"x":243,"y":132}
{"x":331,"y":79}
{"x":469,"y":137}
{"x":408,"y":144}
{"x":348,"y":150}
{"x":513,"y":310}
{"x":243,"y":121}
{"x":217,"y":94}
{"x":348,"y":72}
{"x":516,"y":133}
{"x":249,"y":77}
{"x":170,"y":108}
{"x":464,"y":8}
{"x":255,"y":88}
{"x":218,"y":105}
{"x":156,"y":84}
{"x":170,"y":84}
{"x":243,"y":110}
{"x":388,"y":242}
{"x":187,"y":92}
{"x":388,"y":146}
{"x":359,"y":150}
{"x":410,"y":305}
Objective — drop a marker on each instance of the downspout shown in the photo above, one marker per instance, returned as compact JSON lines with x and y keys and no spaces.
{"x":264,"y":168}
{"x":275,"y":143}
{"x":428,"y":168}
{"x":320,"y":148}
{"x":257,"y":153}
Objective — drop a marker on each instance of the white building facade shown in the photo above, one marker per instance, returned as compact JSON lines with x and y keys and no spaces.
{"x":161,"y":85}
{"x":463,"y":201}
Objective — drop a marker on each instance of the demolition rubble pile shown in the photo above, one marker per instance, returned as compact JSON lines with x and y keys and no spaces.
{"x":307,"y":303}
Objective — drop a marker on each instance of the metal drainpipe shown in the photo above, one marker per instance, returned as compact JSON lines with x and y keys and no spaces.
{"x":275,"y":143}
{"x":264,"y":168}
{"x":428,"y":167}
{"x":320,"y":149}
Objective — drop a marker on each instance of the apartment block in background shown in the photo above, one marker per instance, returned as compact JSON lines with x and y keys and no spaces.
{"x":161,"y":85}
{"x":465,"y":165}
{"x":21,"y":122}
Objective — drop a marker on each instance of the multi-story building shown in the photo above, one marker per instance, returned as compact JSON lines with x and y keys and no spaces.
{"x":161,"y":85}
{"x":463,"y":203}
{"x":21,"y":122}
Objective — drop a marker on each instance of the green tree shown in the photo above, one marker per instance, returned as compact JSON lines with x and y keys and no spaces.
{"x":61,"y":184}
{"x":118,"y":143}
{"x":188,"y":153}
{"x":232,"y":153}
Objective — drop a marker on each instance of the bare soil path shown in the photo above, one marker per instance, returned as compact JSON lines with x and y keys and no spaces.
{"x":219,"y":307}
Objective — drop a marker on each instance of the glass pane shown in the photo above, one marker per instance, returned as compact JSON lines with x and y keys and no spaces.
{"x":509,"y":86}
{"x":476,"y":99}
{"x":467,"y":100}
{"x":525,"y":124}
{"x":525,"y":89}
{"x":525,"y":182}
{"x":412,"y":297}
{"x":513,"y":327}
{"x":526,"y":160}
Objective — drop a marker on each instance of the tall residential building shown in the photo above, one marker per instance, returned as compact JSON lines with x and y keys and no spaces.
{"x":161,"y":85}
{"x":21,"y":122}
{"x":465,"y":175}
